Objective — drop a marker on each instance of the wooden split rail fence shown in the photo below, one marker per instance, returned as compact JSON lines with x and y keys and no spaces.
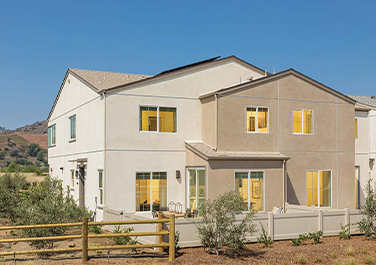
{"x":85,"y":237}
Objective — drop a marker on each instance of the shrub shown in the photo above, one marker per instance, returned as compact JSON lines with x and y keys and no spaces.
{"x":46,"y":203}
{"x":333,"y":255}
{"x":318,"y":260}
{"x":316,"y":236}
{"x":369,"y":260}
{"x":124,"y":240}
{"x":349,"y":251}
{"x":10,"y":195}
{"x":217,"y":227}
{"x":302,"y":259}
{"x":97,"y":229}
{"x":298,"y":241}
{"x":345,"y":232}
{"x":264,"y":238}
{"x":351,"y":261}
{"x":177,"y":238}
{"x":367,"y":224}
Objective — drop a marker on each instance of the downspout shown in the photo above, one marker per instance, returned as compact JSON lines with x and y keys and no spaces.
{"x":104,"y":158}
{"x":216,"y":122}
{"x":284,"y":185}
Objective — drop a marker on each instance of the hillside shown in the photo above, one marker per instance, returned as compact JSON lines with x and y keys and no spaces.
{"x":26,"y":147}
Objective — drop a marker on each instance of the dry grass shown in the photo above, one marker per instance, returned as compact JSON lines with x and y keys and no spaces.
{"x":368,"y":260}
{"x":350,"y":251}
{"x":302,"y":259}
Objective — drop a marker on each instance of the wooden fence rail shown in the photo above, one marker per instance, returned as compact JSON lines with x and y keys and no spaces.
{"x":85,"y":237}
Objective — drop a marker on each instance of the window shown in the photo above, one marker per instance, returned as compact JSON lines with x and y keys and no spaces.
{"x":52,"y":135}
{"x":166,"y":122}
{"x":72,"y":127}
{"x":250,"y":185}
{"x":319,"y":188}
{"x":302,"y":121}
{"x":196,"y":187}
{"x":258,"y":119}
{"x":100,"y":180}
{"x":356,"y":128}
{"x":72,"y":179}
{"x":151,"y":194}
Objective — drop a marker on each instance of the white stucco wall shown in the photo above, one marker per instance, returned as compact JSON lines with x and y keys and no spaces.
{"x":129,"y":151}
{"x":78,"y":99}
{"x":372,"y":121}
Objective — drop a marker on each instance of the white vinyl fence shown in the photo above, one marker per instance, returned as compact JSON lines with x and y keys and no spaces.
{"x":296,"y":220}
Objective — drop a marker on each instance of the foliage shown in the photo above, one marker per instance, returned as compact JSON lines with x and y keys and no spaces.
{"x":10,"y":195}
{"x":369,"y":260}
{"x":302,"y":259}
{"x":345,"y":232}
{"x":40,"y":156}
{"x":367,"y":224}
{"x":350,"y":251}
{"x":33,"y":150}
{"x":124,"y":240}
{"x":177,"y":238}
{"x":299,"y":241}
{"x":264,"y":238}
{"x":316,"y":236}
{"x":217,"y":227}
{"x":317,"y":260}
{"x":2,"y":154}
{"x":46,"y":203}
{"x":97,"y":229}
{"x":14,"y":152}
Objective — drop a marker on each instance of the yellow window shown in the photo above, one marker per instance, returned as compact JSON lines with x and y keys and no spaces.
{"x":143,"y":192}
{"x":151,"y":195}
{"x":100,"y":175}
{"x":307,"y":120}
{"x":250,"y":185}
{"x":72,"y":178}
{"x":319,"y":188}
{"x":262,"y":120}
{"x":356,"y":128}
{"x":241,"y":187}
{"x":257,"y":119}
{"x":159,"y":190}
{"x":148,"y":119}
{"x":167,"y":119}
{"x":196,"y":188}
{"x":297,"y":120}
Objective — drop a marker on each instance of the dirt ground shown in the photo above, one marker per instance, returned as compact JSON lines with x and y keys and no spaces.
{"x":357,"y":250}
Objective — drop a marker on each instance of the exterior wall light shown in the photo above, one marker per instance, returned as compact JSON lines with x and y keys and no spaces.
{"x":171,"y":207}
{"x":179,"y":207}
{"x":177,"y":174}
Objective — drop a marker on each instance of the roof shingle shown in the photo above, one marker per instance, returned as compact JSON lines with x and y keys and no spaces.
{"x":368,"y":100}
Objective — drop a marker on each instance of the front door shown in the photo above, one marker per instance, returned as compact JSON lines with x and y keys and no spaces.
{"x":82,"y":177}
{"x":195,"y":187}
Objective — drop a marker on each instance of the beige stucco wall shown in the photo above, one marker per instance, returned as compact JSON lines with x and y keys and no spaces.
{"x":209,"y":121}
{"x":78,"y":99}
{"x":330,"y":147}
{"x":128,"y":150}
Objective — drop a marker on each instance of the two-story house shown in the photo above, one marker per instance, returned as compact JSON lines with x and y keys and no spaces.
{"x":365,"y":144}
{"x":137,"y":142}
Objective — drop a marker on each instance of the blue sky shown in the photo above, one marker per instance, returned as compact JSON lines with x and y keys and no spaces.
{"x":331,"y":41}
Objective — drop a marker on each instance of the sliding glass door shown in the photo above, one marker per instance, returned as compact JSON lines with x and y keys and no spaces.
{"x":195,"y":187}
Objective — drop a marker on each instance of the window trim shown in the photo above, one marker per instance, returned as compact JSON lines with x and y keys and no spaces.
{"x":187,"y":183}
{"x":72,"y":180}
{"x":99,"y":194}
{"x":156,"y":106}
{"x":151,"y":188}
{"x":257,"y":107}
{"x":70,"y":128}
{"x":356,"y":129}
{"x":249,"y":186}
{"x":318,"y":186}
{"x":52,"y":144}
{"x":313,"y":122}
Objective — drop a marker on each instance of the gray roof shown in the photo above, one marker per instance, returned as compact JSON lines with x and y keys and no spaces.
{"x":368,"y":100}
{"x":208,"y":153}
{"x":105,"y":80}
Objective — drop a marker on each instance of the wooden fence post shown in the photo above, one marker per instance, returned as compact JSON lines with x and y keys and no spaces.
{"x":160,"y":227}
{"x":85,"y":242}
{"x":172,"y":237}
{"x":271,"y":225}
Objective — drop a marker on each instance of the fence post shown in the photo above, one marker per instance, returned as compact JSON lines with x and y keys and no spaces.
{"x":271,"y":225}
{"x":85,"y":242}
{"x":172,"y":237}
{"x":321,"y":228}
{"x":160,"y":227}
{"x":347,"y":217}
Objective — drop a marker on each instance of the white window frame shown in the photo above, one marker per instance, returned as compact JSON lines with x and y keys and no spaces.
{"x":246,"y":121}
{"x":50,"y":135}
{"x":187,"y":183}
{"x":151,"y":188}
{"x":158,"y":106}
{"x":313,"y":122}
{"x":318,"y":187}
{"x":249,"y":186}
{"x":70,"y":128}
{"x":99,"y":188}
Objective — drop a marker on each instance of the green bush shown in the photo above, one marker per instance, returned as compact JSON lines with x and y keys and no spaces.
{"x":367,"y":225}
{"x":217,"y":227}
{"x":345,"y":232}
{"x":46,"y":203}
{"x":124,"y":240}
{"x":264,"y":238}
{"x":316,"y":236}
{"x":97,"y":229}
{"x":10,"y":195}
